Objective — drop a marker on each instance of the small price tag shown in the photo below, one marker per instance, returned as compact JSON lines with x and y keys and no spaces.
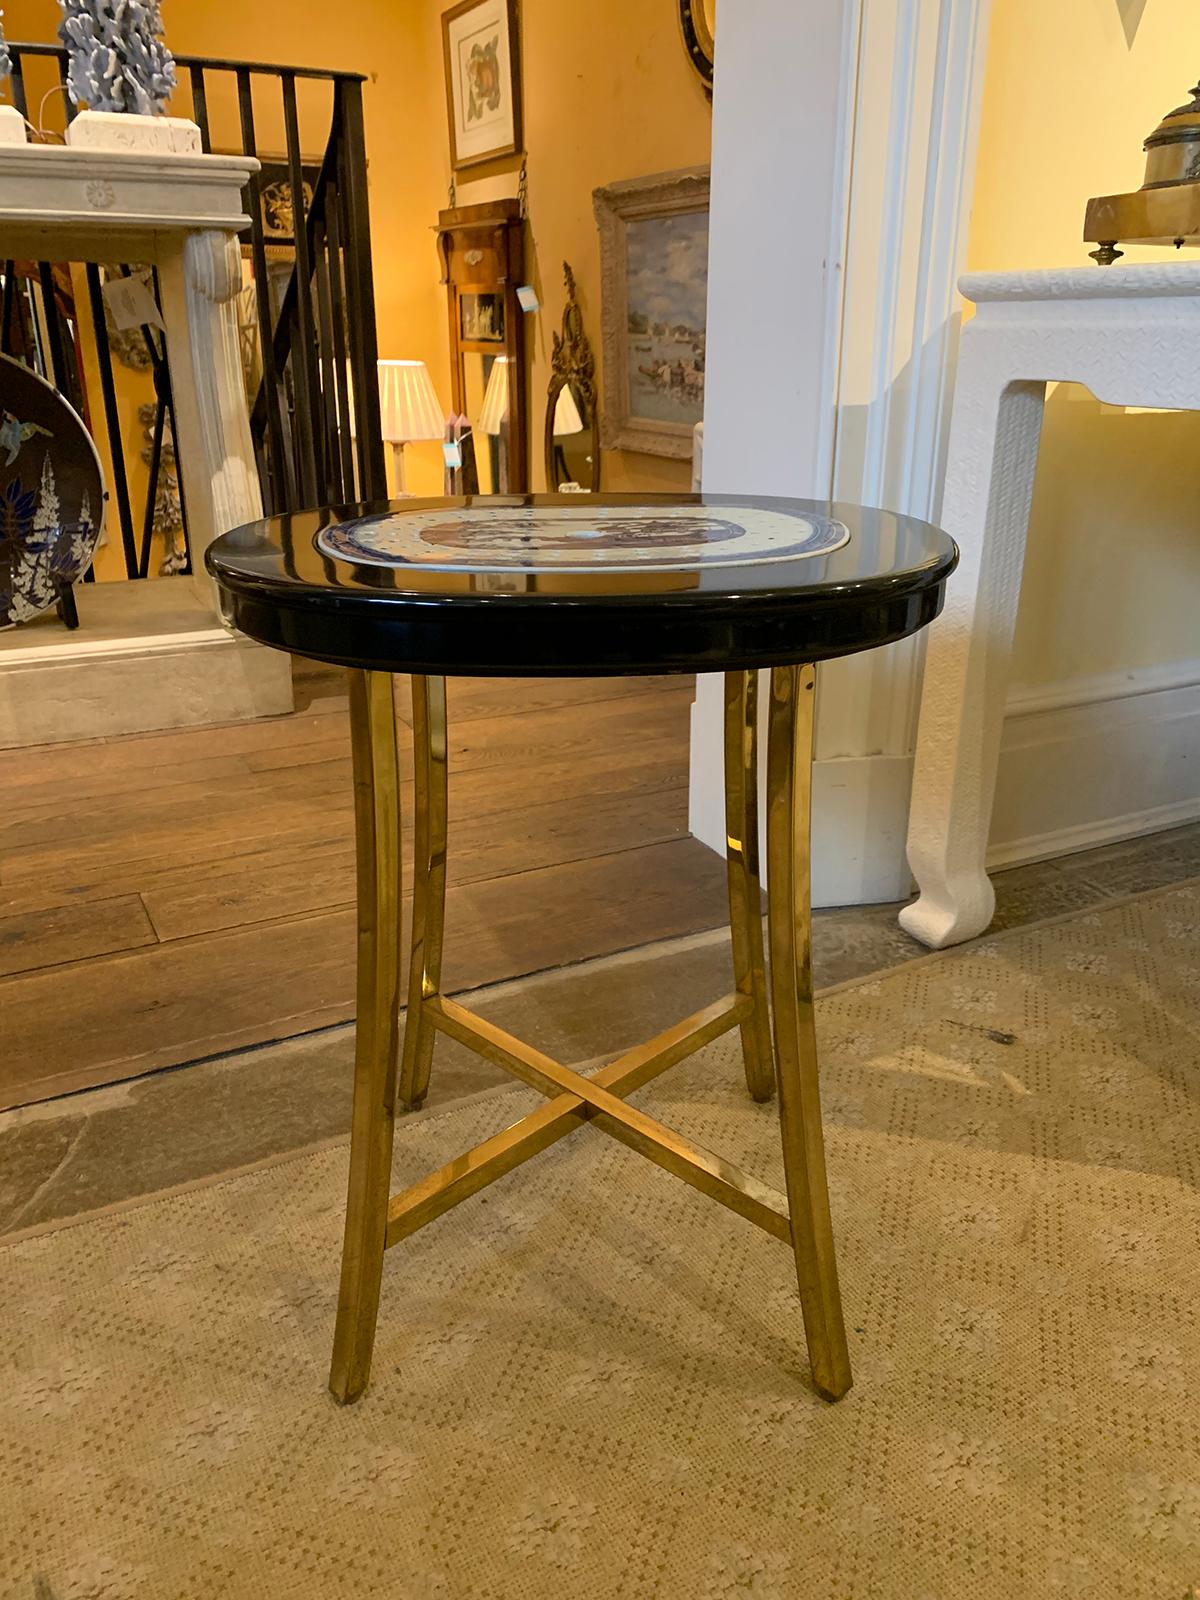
{"x":527,"y":298}
{"x":452,"y":453}
{"x":131,"y":304}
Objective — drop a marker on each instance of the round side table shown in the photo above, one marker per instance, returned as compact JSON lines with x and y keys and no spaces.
{"x":588,"y":586}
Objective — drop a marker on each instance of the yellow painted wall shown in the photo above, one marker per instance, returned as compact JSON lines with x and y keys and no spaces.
{"x":608,"y":94}
{"x":1113,"y":566}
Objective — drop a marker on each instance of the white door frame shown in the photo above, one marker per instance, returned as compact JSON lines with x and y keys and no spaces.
{"x":844,"y":139}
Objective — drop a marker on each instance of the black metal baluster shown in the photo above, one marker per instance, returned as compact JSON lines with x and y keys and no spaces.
{"x":68,"y":104}
{"x":58,"y":360}
{"x":18,"y":84}
{"x":112,"y":419}
{"x":200,"y":107}
{"x":360,"y":287}
{"x":10,"y":300}
{"x":341,"y":368}
{"x":334,"y":488}
{"x":284,"y":493}
{"x":304,"y":354}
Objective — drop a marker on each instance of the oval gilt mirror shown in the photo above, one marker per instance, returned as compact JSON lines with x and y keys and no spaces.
{"x":698,"y":19}
{"x":572,"y":417}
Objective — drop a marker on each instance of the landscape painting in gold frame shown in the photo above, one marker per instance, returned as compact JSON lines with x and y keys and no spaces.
{"x":654,"y":281}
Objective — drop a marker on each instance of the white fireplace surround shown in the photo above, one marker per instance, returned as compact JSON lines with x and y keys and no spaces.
{"x":148,"y":654}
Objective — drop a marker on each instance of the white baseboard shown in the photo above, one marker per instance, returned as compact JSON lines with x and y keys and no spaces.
{"x":1082,"y":763}
{"x":147,"y":656}
{"x":1097,"y":759}
{"x":860,"y":812}
{"x":859,"y":826}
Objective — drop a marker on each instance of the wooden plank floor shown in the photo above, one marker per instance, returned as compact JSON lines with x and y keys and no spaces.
{"x":169,"y":896}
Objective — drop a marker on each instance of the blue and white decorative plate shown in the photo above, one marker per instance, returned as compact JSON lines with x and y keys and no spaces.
{"x":51,"y":494}
{"x":574,"y":538}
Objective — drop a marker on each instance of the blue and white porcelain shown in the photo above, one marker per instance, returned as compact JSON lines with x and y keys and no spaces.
{"x":582,"y":537}
{"x":51,"y":494}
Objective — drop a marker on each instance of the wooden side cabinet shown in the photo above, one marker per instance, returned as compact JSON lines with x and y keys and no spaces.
{"x":482,"y":251}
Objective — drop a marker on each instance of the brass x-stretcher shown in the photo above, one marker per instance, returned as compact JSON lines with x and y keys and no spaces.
{"x":779,"y":1051}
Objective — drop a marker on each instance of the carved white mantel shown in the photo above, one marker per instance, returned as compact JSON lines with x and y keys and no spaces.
{"x":183,"y":213}
{"x":1131,"y":335}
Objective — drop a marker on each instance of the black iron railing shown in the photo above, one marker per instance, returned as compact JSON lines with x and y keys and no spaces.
{"x":315,"y":399}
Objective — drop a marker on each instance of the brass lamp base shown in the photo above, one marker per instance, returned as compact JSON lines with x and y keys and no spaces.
{"x":1166,"y":209}
{"x":1170,"y":215}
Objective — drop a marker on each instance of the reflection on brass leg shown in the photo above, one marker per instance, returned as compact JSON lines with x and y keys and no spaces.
{"x":429,"y":884}
{"x":745,"y":887}
{"x":377,"y":835}
{"x":789,"y":802}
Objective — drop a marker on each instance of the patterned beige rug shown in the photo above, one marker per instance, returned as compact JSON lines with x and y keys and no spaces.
{"x":589,"y":1382}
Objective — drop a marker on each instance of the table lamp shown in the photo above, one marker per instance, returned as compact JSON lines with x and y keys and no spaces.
{"x":493,"y":416}
{"x":408,"y":409}
{"x":566,"y":412}
{"x":495,"y":397}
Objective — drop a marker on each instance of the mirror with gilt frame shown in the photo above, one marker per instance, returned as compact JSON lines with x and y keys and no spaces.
{"x":572,"y":411}
{"x":698,"y":22}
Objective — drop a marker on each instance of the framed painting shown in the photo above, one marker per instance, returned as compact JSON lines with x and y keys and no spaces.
{"x":275,"y":207}
{"x":481,"y":45}
{"x":275,"y":198}
{"x":654,"y":291}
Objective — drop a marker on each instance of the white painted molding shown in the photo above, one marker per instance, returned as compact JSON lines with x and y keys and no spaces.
{"x":1097,"y":759}
{"x":853,"y":396}
{"x":1102,"y":687}
{"x":1128,"y":348}
{"x":1139,"y":281}
{"x":914,"y":136}
{"x":59,"y":203}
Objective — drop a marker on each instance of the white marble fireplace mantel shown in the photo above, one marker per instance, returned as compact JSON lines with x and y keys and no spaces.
{"x":1131,"y":334}
{"x":182,"y":213}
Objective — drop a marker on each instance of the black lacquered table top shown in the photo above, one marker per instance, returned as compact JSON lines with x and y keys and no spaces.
{"x":582,"y":585}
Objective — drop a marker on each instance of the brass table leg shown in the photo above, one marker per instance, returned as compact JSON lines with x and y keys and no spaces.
{"x":377,"y":836}
{"x":376,"y":1219}
{"x":789,"y":919}
{"x":429,"y":884}
{"x":745,"y":886}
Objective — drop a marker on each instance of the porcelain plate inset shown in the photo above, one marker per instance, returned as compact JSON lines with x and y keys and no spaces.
{"x":668,"y":538}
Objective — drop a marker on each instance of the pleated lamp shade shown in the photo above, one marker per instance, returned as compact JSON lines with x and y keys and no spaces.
{"x":566,"y":412}
{"x":408,"y":406}
{"x":495,"y":397}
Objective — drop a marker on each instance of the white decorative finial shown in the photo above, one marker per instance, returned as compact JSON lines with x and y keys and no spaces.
{"x":117,"y":60}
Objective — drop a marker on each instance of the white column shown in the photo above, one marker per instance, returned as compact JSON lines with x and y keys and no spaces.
{"x":851,"y":191}
{"x":200,"y":276}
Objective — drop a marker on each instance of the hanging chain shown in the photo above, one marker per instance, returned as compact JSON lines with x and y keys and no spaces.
{"x":523,"y":189}
{"x":453,"y":193}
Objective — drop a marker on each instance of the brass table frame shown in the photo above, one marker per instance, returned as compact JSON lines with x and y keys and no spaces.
{"x":376,"y":1219}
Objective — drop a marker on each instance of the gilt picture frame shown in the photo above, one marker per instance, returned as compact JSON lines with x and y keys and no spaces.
{"x":482,"y":56}
{"x":654,"y":287}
